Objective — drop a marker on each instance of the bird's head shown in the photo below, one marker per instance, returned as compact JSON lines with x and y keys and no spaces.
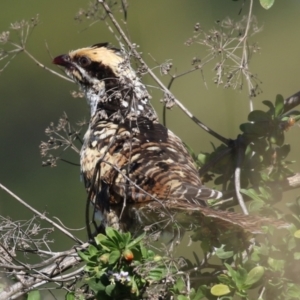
{"x":105,"y":76}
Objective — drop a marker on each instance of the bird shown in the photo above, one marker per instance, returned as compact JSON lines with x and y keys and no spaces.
{"x":128,"y":158}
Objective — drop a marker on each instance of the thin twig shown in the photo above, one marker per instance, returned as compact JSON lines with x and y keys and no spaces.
{"x":20,"y":288}
{"x":237,"y":173}
{"x":22,"y":49}
{"x":162,"y":86}
{"x":42,"y":216}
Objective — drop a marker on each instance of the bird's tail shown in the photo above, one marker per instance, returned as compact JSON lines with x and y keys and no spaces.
{"x":234,"y":221}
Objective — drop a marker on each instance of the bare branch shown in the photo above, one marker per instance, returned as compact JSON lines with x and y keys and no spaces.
{"x":291,"y":102}
{"x":161,"y":85}
{"x":69,"y":260}
{"x":40,"y":214}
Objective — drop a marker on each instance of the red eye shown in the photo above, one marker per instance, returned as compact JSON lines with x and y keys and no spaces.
{"x":84,"y":61}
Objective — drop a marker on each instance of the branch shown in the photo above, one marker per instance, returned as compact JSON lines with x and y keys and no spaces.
{"x":287,"y":184}
{"x":237,"y":173}
{"x":291,"y":102}
{"x":22,"y":49}
{"x":44,"y":275}
{"x":161,"y":85}
{"x":42,"y":216}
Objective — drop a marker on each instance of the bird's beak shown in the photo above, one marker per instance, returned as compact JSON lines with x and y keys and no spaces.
{"x":62,"y":60}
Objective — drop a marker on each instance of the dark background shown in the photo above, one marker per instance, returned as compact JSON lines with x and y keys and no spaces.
{"x":30,"y":98}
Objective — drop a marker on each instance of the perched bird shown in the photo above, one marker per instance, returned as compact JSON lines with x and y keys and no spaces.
{"x":128,"y":157}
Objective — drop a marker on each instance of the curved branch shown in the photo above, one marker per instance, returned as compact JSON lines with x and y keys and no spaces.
{"x":237,"y":174}
{"x":291,"y":102}
{"x":161,"y":85}
{"x":42,"y":216}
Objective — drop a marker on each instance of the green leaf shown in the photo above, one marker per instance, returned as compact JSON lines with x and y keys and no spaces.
{"x":223,"y":278}
{"x":254,"y":275}
{"x":84,"y":256}
{"x":266,"y":4}
{"x":258,"y":116}
{"x":239,"y":276}
{"x":293,"y":291}
{"x":114,"y":235}
{"x":256,"y":129}
{"x":95,"y":285}
{"x":223,"y":254}
{"x":279,"y":105}
{"x":255,"y":257}
{"x":126,"y":238}
{"x":203,"y":158}
{"x":70,"y":296}
{"x":144,"y":252}
{"x":114,"y":256}
{"x":276,"y":264}
{"x":99,"y":238}
{"x":136,"y":241}
{"x":109,"y":289}
{"x":277,"y":137}
{"x":93,"y":250}
{"x":181,"y":297}
{"x":156,"y":274}
{"x":109,"y":245}
{"x":179,"y":285}
{"x":134,"y":287}
{"x":297,"y":234}
{"x":220,"y":290}
{"x":34,"y":295}
{"x":269,"y":104}
{"x":251,"y":193}
{"x":199,"y":295}
{"x":231,"y":272}
{"x":256,"y":205}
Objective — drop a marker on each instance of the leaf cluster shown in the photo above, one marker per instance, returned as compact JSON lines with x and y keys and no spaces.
{"x":259,"y":151}
{"x":119,"y":266}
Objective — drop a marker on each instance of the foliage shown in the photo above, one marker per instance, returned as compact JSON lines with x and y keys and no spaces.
{"x":120,"y":266}
{"x":263,"y":152}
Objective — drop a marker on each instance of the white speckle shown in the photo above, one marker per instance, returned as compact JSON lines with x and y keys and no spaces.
{"x":140,"y":107}
{"x":103,"y":136}
{"x":147,"y":141}
{"x":153,"y":148}
{"x":94,"y":143}
{"x":171,"y":149}
{"x":135,"y":157}
{"x":99,"y":132}
{"x":124,"y":104}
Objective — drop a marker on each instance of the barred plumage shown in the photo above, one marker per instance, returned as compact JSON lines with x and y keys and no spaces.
{"x":128,"y":156}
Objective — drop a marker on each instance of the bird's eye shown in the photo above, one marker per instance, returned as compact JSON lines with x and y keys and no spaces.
{"x":84,"y":61}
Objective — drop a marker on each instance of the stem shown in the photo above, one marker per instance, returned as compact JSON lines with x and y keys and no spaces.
{"x":237,"y":174}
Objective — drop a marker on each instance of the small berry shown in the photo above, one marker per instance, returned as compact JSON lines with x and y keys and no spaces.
{"x":128,"y":255}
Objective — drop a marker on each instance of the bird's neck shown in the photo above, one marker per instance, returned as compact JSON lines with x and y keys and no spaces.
{"x":120,"y":98}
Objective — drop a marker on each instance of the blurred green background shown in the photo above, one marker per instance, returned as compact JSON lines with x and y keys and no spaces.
{"x":31,"y":98}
